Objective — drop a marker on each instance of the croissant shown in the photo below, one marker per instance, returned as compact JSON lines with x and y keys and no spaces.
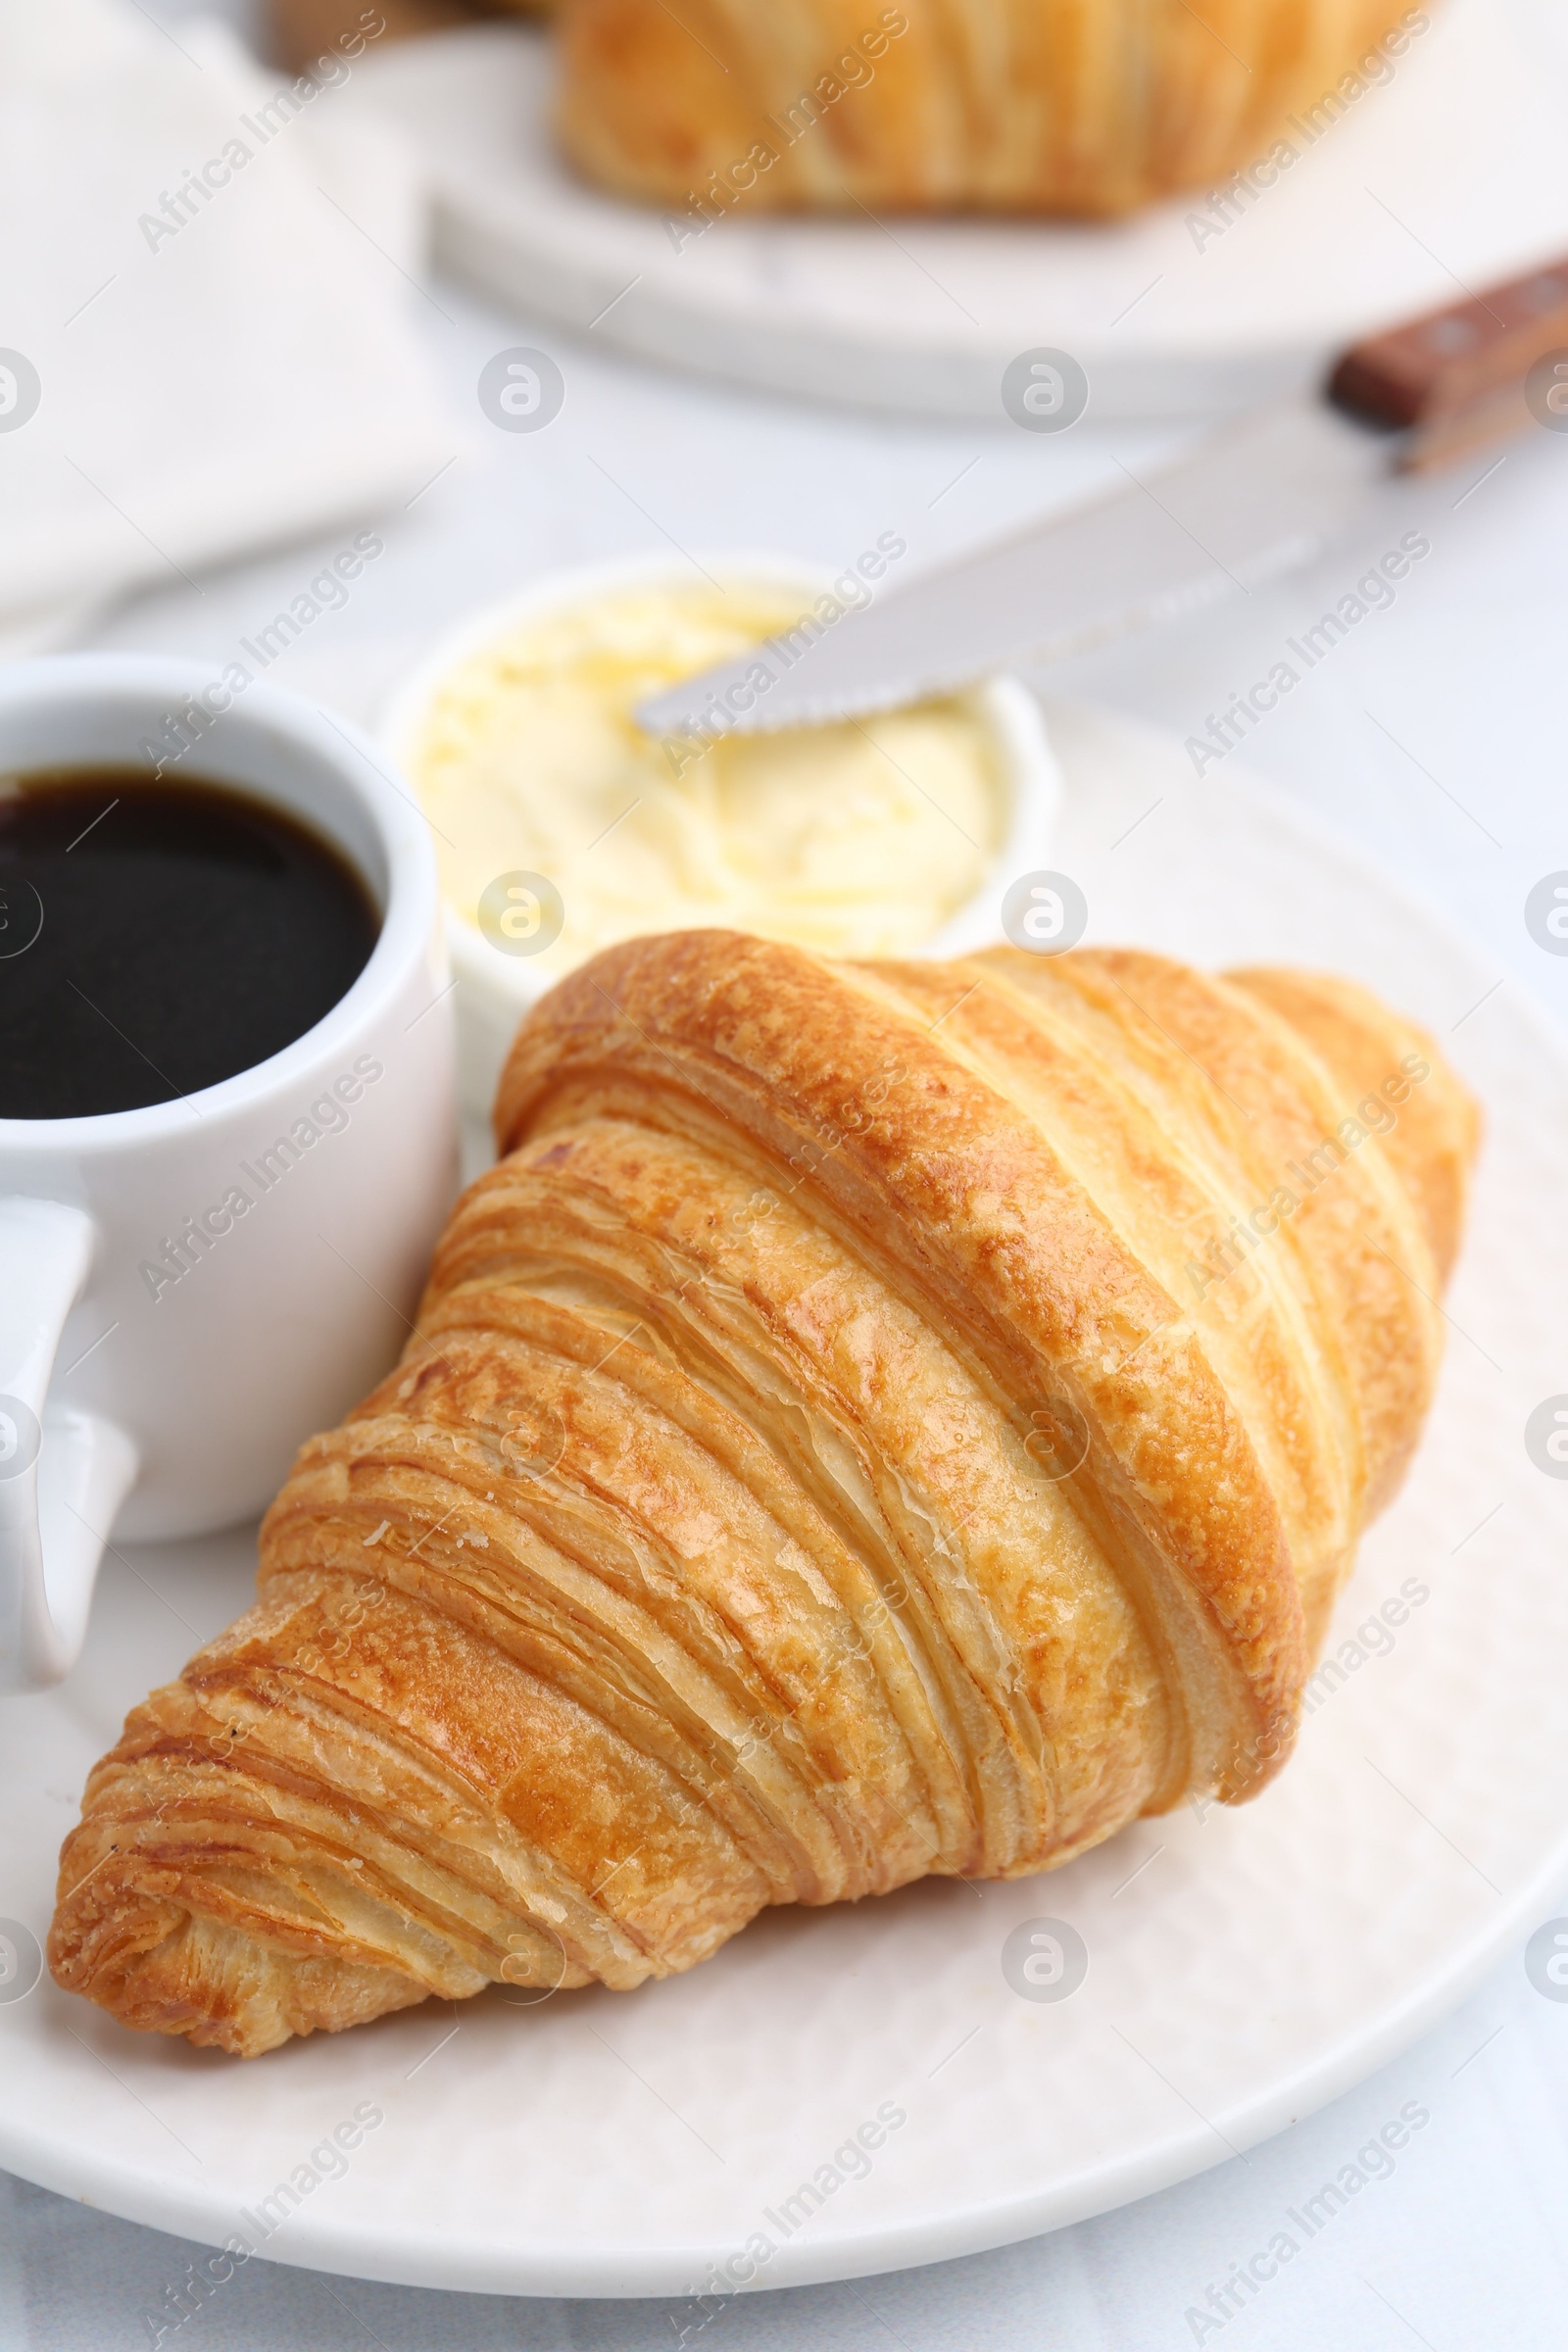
{"x":878,"y":1419}
{"x":1088,"y":107}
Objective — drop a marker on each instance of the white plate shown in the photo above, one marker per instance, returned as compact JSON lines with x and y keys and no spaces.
{"x":1449,"y":172}
{"x":1259,"y":1962}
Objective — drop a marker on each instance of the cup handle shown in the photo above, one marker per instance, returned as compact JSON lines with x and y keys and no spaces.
{"x":64,"y":1473}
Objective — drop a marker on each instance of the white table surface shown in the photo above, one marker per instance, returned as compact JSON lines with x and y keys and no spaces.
{"x":1434,"y":738}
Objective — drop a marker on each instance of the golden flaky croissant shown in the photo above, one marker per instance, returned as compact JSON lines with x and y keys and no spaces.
{"x":878,"y":1419}
{"x":1085,"y":107}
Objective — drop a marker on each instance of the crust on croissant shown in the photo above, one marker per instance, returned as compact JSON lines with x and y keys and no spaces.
{"x":877,"y":1419}
{"x":1087,"y":107}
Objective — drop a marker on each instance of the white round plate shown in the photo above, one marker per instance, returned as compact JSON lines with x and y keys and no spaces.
{"x":1444,"y":177}
{"x":1244,"y":1966}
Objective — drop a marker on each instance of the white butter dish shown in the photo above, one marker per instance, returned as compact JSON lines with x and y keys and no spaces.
{"x":494,"y":989}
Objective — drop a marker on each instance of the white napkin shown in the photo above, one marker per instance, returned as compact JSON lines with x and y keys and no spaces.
{"x":206,"y":385}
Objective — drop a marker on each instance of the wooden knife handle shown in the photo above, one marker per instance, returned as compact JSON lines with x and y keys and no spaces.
{"x":1456,"y":377}
{"x":303,"y":30}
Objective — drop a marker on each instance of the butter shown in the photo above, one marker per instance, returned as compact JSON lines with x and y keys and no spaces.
{"x":855,"y":840}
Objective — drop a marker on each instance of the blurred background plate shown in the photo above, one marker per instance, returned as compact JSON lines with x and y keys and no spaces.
{"x":1244,"y":1966}
{"x":1445,"y":176}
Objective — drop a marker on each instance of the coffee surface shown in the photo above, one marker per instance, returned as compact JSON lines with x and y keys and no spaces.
{"x":158,"y":938}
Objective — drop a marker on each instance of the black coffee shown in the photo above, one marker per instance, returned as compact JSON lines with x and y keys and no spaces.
{"x":158,"y":938}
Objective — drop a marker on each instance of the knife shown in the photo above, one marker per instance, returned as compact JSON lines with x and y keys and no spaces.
{"x":1264,"y":496}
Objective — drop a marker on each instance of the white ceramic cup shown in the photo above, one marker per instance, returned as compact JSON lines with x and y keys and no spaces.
{"x":188,"y":1290}
{"x":495,"y":991}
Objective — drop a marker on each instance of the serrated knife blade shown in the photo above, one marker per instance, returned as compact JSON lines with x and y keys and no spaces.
{"x":1267,"y":493}
{"x":1263,"y":498}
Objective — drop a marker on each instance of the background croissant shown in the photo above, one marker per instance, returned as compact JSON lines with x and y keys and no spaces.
{"x":879,"y":1419}
{"x":1031,"y":106}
